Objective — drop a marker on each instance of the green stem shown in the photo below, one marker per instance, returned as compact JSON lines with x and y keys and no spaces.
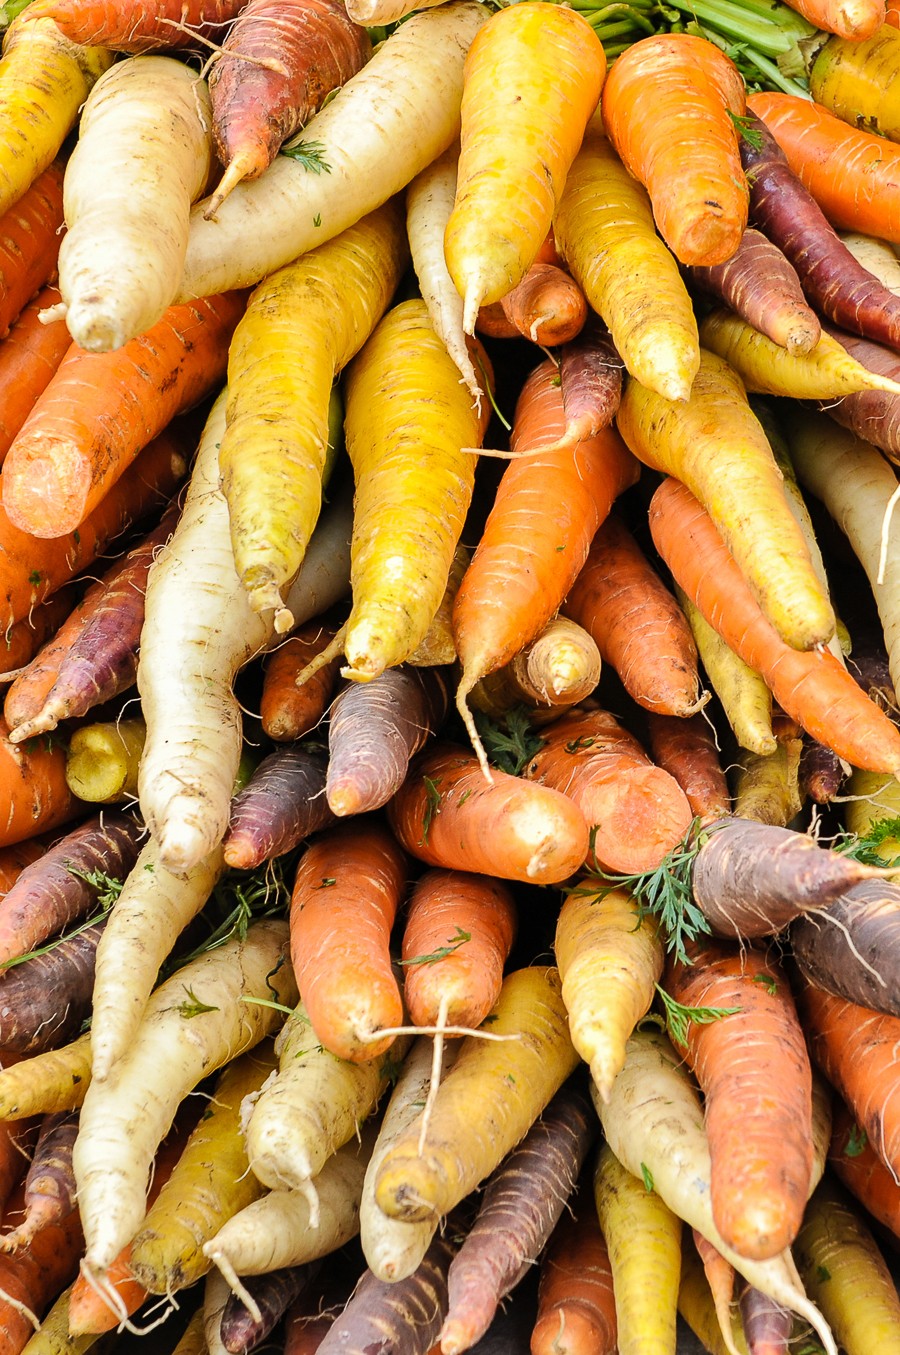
{"x":763,"y":36}
{"x":774,"y":75}
{"x":625,"y":25}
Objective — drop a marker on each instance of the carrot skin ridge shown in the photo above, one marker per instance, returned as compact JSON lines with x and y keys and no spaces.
{"x":44,"y":1000}
{"x":281,"y":805}
{"x":29,"y":244}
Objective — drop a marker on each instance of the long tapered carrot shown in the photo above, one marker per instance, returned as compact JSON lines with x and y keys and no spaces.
{"x":811,"y":686}
{"x":101,"y":409}
{"x":29,"y":355}
{"x":29,"y":243}
{"x":686,"y":153}
{"x":537,"y":537}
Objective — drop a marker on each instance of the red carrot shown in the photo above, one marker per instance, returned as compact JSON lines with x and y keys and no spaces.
{"x":576,"y":1306}
{"x":45,"y":998}
{"x":286,"y":710}
{"x":547,"y":306}
{"x":687,"y":750}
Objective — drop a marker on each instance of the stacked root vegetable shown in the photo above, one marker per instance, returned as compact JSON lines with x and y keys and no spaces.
{"x":363,"y":943}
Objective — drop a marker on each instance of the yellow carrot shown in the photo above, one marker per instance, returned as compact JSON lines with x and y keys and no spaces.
{"x":605,"y":231}
{"x":532,"y":80}
{"x":767,"y":788}
{"x":486,"y":1104}
{"x":302,"y":325}
{"x":46,"y":1083}
{"x":716,"y":447}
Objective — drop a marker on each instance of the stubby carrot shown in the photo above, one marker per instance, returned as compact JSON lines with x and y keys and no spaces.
{"x":559,"y":668}
{"x":286,"y":710}
{"x":102,"y":760}
{"x":851,"y":19}
{"x":547,"y":306}
{"x":590,"y":378}
{"x":29,"y":355}
{"x":281,"y":805}
{"x":505,"y":197}
{"x":686,"y":153}
{"x":576,"y":1304}
{"x":100,"y":409}
{"x":29,"y":243}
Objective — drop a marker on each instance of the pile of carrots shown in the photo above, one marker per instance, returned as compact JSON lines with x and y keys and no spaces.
{"x":450,"y":749}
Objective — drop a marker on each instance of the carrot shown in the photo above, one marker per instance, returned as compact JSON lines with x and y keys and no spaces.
{"x":146,"y":125}
{"x":767,"y":789}
{"x":49,"y":1188}
{"x":242,"y":1329}
{"x":415,"y":78}
{"x":35,"y":794}
{"x":47,"y":995}
{"x":438,"y":646}
{"x":590,"y":378}
{"x":852,"y":19}
{"x":720,"y":1278}
{"x":287,"y":711}
{"x":448,"y":815}
{"x":768,"y":1326}
{"x":29,"y":244}
{"x":715,"y":445}
{"x":31,"y":1279}
{"x":636,"y":811}
{"x":697,"y":1306}
{"x":872,"y":415}
{"x":846,"y":948}
{"x":535,"y":540}
{"x":311,"y":47}
{"x":346,"y":892}
{"x":847,"y":1275}
{"x":610,"y":958}
{"x":822,"y":774}
{"x":64,"y":883}
{"x":126,"y":1116}
{"x":851,"y":174}
{"x":78,"y":438}
{"x":516,"y":1079}
{"x":752,"y":1066}
{"x":701,"y":212}
{"x":47,"y":1082}
{"x":280,"y":437}
{"x":687,"y":750}
{"x":640,"y":629}
{"x":853,"y":1047}
{"x":643,"y":1239}
{"x":834,"y":281}
{"x":317,"y":1307}
{"x":29,"y":355}
{"x":24,"y":638}
{"x":102,"y":761}
{"x":811,"y":687}
{"x":373,"y":731}
{"x":761,"y":285}
{"x":498,"y":225}
{"x":859,"y":1168}
{"x":44,"y":80}
{"x":576,"y":1306}
{"x":145,"y":28}
{"x":559,"y":668}
{"x":547,"y":306}
{"x":282,"y":804}
{"x":604,"y":225}
{"x":29,"y":573}
{"x":520,"y":1207}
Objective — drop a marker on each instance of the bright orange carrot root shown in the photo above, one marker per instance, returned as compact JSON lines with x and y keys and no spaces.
{"x":141,"y":28}
{"x":101,"y":409}
{"x":547,"y":307}
{"x":24,"y":638}
{"x":853,"y":1159}
{"x":286,"y":710}
{"x":29,"y":243}
{"x":811,"y":686}
{"x":684,"y":150}
{"x":687,"y":750}
{"x":33,"y":789}
{"x":636,"y":811}
{"x":576,"y":1306}
{"x":29,"y":355}
{"x":33,"y":1277}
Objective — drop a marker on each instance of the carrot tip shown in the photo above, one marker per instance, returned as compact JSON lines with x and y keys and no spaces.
{"x":234,"y":173}
{"x":465,"y":686}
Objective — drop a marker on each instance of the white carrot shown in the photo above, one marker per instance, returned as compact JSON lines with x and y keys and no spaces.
{"x":385,"y":125}
{"x":875,"y":255}
{"x":194,"y":1023}
{"x":429,"y":202}
{"x":653,"y":1122}
{"x":199,"y":630}
{"x":143,"y":155}
{"x":372,"y":13}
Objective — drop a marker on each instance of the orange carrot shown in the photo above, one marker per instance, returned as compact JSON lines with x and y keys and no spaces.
{"x":853,"y":175}
{"x":345,"y":898}
{"x":447,"y":814}
{"x":101,"y":409}
{"x":31,"y":570}
{"x":32,"y":1277}
{"x":811,"y":686}
{"x":637,"y":624}
{"x":892,"y":13}
{"x":143,"y":27}
{"x":17,"y":1137}
{"x":547,"y":306}
{"x":853,"y":1159}
{"x":29,"y":243}
{"x":24,"y":638}
{"x":286,"y":710}
{"x":576,"y":1306}
{"x":33,"y":789}
{"x":537,"y":537}
{"x":857,"y":1051}
{"x":29,"y":355}
{"x":687,"y":750}
{"x":636,"y":811}
{"x":852,"y":19}
{"x":754,"y":1071}
{"x":684,"y":149}
{"x":458,"y":934}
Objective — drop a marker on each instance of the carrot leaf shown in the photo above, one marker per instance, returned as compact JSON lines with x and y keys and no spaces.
{"x":311,"y":155}
{"x":454,"y":942}
{"x":108,"y":889}
{"x":856,"y":1142}
{"x":432,"y":807}
{"x":193,"y":1006}
{"x":646,"y":1177}
{"x":679,"y":1016}
{"x":866,"y":849}
{"x":238,"y":899}
{"x":509,"y":744}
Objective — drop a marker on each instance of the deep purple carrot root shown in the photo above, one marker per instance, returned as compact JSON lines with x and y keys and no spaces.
{"x":50,"y":1192}
{"x":767,"y":1327}
{"x":872,"y":415}
{"x":283,"y":803}
{"x":590,"y":375}
{"x":273,"y":1293}
{"x":832,"y":280}
{"x":821,"y":772}
{"x":54,"y":890}
{"x":761,"y":285}
{"x":375,"y":728}
{"x":847,"y":948}
{"x":44,"y":1000}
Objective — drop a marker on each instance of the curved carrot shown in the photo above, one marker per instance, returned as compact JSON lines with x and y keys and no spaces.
{"x":685,"y":150}
{"x":144,"y":27}
{"x":547,"y":306}
{"x":29,"y":243}
{"x":853,"y":175}
{"x":100,"y":409}
{"x":29,"y":355}
{"x":345,"y":897}
{"x":811,"y":686}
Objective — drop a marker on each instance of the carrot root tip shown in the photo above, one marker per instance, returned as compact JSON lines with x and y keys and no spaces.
{"x":324,"y":657}
{"x":232,"y":1279}
{"x":468,"y":682}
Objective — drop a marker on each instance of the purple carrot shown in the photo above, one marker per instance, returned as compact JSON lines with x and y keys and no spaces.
{"x":590,"y":376}
{"x":375,"y":728}
{"x":44,"y":1000}
{"x":869,"y":665}
{"x":283,"y":802}
{"x":50,"y":1181}
{"x":833,"y":281}
{"x":850,"y":947}
{"x":761,"y":285}
{"x":63,"y":884}
{"x":872,"y":415}
{"x":767,"y":1327}
{"x":520,"y":1208}
{"x":102,"y":660}
{"x":241,"y":1331}
{"x":821,"y":772}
